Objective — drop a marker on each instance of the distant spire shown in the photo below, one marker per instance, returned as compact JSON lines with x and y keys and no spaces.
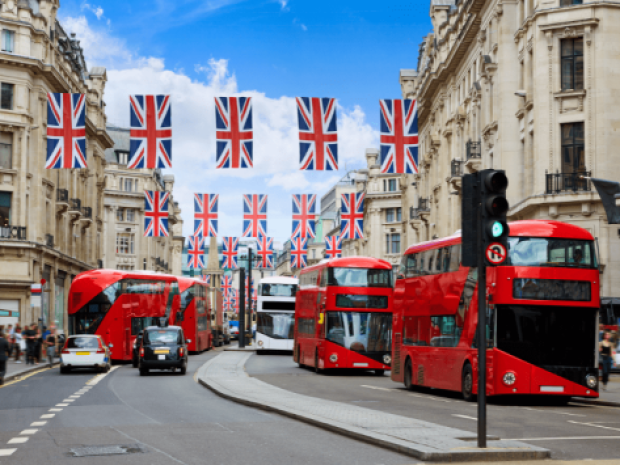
{"x":213,"y":262}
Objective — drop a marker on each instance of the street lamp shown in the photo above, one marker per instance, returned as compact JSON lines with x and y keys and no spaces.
{"x":245,"y":253}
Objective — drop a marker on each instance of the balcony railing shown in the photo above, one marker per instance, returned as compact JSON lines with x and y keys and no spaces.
{"x":457,"y":169}
{"x":49,"y":240}
{"x":424,"y":205}
{"x":568,"y":182}
{"x":413,"y":214}
{"x":473,"y":150}
{"x":62,"y":196}
{"x":17,"y":233}
{"x":76,"y":205}
{"x":87,"y":212}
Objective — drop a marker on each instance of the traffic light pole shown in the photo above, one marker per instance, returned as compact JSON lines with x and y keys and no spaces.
{"x":241,"y":337}
{"x":482,"y":337}
{"x":249,"y":290}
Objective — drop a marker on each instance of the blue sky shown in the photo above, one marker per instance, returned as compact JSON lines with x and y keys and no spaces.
{"x":272,"y":50}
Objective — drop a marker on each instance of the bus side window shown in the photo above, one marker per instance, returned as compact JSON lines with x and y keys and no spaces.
{"x":431,"y":260}
{"x":402,"y":270}
{"x":439,"y":260}
{"x":455,"y":257}
{"x":446,"y":259}
{"x":411,"y":268}
{"x":423,"y":257}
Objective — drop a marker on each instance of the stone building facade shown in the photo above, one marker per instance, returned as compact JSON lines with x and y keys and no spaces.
{"x":51,"y":220}
{"x":528,"y":86}
{"x":124,"y":244}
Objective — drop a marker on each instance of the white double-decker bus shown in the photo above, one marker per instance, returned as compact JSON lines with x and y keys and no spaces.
{"x":275,"y":310}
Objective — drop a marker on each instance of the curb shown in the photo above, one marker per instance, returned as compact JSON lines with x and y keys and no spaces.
{"x":396,"y":445}
{"x":26,"y":371}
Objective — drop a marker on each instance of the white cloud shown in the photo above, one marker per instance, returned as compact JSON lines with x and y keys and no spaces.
{"x":276,"y":143}
{"x":96,"y":10}
{"x":304,"y":27}
{"x":283,"y":5}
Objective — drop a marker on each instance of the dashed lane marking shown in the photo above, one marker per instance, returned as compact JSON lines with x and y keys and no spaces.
{"x":553,"y":411}
{"x":367,"y":386}
{"x":38,"y":423}
{"x":467,"y":417}
{"x":593,"y":425}
{"x":48,"y":415}
{"x":62,"y":405}
{"x":29,"y":431}
{"x":18,"y":440}
{"x":375,"y":387}
{"x":6,"y":452}
{"x":55,"y":410}
{"x":69,"y":400}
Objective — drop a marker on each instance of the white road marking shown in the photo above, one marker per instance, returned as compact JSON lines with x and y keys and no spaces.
{"x":553,"y":411}
{"x":62,"y":405}
{"x":6,"y":452}
{"x":18,"y":440}
{"x":593,"y":425}
{"x":375,"y":387}
{"x":69,"y":400}
{"x":38,"y":423}
{"x":55,"y":410}
{"x":98,"y":378}
{"x":573,"y":438}
{"x":413,"y":395}
{"x":48,"y":415}
{"x":29,"y":431}
{"x":467,"y":417}
{"x":74,"y":397}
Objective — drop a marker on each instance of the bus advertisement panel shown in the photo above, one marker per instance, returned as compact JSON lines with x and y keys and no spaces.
{"x":343,"y":315}
{"x":194,"y":314}
{"x":117,"y":305}
{"x":542,"y":309}
{"x":275,"y":311}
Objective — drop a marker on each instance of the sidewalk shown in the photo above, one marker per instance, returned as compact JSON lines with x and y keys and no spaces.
{"x":234,"y":347}
{"x":15,"y":370}
{"x":225,"y":375}
{"x":608,"y":398}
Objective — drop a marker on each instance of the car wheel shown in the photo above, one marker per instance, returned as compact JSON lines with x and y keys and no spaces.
{"x":408,"y":375}
{"x":183,"y":369}
{"x":144,"y":371}
{"x":64,"y":370}
{"x":467,"y":384}
{"x":379,"y":372}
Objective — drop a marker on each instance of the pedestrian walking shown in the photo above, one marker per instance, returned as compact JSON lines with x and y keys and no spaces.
{"x":4,"y":356}
{"x":50,"y":343}
{"x":30,"y":336}
{"x":607,"y":353}
{"x":38,"y":341}
{"x":8,"y":335}
{"x":17,"y":343}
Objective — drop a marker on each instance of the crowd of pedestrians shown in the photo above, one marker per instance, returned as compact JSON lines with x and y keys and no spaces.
{"x":31,"y":343}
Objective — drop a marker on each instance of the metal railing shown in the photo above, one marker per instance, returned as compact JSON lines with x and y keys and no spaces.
{"x":75,"y":205}
{"x":62,"y":195}
{"x":473,"y":149}
{"x":17,"y":233}
{"x":568,"y":182}
{"x":49,"y":240}
{"x":87,"y":212}
{"x":457,"y":169}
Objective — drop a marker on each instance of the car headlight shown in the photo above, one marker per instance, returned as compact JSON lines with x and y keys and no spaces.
{"x":333,"y":358}
{"x":591,"y":381}
{"x":387,"y":359}
{"x":509,"y":378}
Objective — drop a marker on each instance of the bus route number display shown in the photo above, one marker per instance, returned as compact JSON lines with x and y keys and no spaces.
{"x":496,"y":253}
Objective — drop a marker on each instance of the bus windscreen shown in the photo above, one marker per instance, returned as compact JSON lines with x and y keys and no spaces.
{"x":278,"y":290}
{"x":359,"y":277}
{"x":542,"y":251}
{"x":360,"y":331}
{"x":276,"y":325}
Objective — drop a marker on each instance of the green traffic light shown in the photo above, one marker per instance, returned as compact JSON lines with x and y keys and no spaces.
{"x":497,"y":229}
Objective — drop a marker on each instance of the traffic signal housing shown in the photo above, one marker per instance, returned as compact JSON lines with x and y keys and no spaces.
{"x":495,"y":228}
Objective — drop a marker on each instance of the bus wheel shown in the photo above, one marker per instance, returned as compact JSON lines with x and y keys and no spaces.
{"x":299,"y":364}
{"x":379,"y":372}
{"x":467,"y":384}
{"x":317,"y":370}
{"x":408,"y":375}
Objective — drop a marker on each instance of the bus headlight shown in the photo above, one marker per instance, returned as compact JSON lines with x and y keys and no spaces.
{"x":387,"y":359}
{"x":260,"y":343}
{"x":509,"y":378}
{"x":333,"y":358}
{"x":591,"y":381}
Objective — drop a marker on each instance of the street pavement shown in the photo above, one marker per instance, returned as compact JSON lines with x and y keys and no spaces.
{"x":571,"y":432}
{"x":165,"y":418}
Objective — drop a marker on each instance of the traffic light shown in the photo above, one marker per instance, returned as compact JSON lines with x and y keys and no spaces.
{"x":469,"y":220}
{"x":495,"y":229}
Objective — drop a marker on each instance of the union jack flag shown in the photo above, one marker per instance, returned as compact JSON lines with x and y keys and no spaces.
{"x":205,"y":215}
{"x":150,"y":136}
{"x":156,"y":213}
{"x":195,"y":252}
{"x":333,"y":247}
{"x":254,"y":215}
{"x":226,"y":285}
{"x":205,"y":278}
{"x":299,"y":252}
{"x":227,"y":303}
{"x":66,"y":131}
{"x":304,"y":215}
{"x":229,"y":253}
{"x":399,"y":136}
{"x":352,"y":216}
{"x":233,"y":124}
{"x":318,"y":133}
{"x":264,"y":249}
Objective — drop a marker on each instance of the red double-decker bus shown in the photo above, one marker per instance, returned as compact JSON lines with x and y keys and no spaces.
{"x":343,"y":315}
{"x":118,"y":304}
{"x":542,"y":309}
{"x":193,"y":314}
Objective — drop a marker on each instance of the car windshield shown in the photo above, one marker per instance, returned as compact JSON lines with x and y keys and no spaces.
{"x":359,"y":277}
{"x":161,"y":336}
{"x":360,"y":331}
{"x":276,"y":325}
{"x":278,"y":290}
{"x":83,"y":343}
{"x":541,"y":251}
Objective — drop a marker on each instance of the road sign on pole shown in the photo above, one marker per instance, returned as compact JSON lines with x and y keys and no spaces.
{"x":496,"y":253}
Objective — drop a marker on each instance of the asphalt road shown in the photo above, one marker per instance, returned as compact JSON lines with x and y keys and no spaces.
{"x":164,"y":418}
{"x":571,"y":432}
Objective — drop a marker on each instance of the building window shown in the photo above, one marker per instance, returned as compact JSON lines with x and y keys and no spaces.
{"x":399,"y":214}
{"x":573,"y":153}
{"x":6,"y":150}
{"x":8,"y":41}
{"x":122,"y":156}
{"x":119,"y":214}
{"x":125,"y":243}
{"x":389,"y":185}
{"x":392,"y":243}
{"x":570,"y":2}
{"x":313,"y":253}
{"x":131,"y":214}
{"x":393,"y":215}
{"x":128,"y":185}
{"x":5,"y":209}
{"x":6,"y":96}
{"x":572,"y":64}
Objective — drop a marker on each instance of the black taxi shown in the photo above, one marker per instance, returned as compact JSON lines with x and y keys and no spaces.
{"x":162,"y":348}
